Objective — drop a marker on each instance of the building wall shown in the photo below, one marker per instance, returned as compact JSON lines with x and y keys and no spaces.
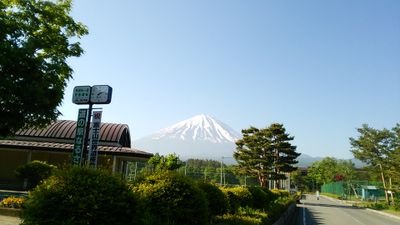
{"x":10,"y":160}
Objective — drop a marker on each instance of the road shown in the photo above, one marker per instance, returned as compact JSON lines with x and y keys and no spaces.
{"x":327,"y":212}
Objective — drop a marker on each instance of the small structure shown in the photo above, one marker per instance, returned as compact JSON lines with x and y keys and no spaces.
{"x":54,"y":145}
{"x":369,"y":192}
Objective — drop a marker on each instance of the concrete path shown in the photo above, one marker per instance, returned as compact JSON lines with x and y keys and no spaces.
{"x":9,"y":220}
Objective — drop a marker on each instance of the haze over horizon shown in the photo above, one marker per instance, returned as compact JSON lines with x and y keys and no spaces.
{"x":321,"y":68}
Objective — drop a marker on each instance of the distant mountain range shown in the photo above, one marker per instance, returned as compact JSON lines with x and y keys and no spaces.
{"x":202,"y":137}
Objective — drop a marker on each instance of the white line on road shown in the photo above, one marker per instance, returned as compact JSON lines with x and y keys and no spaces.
{"x":304,"y":215}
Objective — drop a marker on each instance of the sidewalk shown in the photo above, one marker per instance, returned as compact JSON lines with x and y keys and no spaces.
{"x":9,"y":220}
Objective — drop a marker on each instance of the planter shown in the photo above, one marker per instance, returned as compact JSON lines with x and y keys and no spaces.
{"x":10,"y":212}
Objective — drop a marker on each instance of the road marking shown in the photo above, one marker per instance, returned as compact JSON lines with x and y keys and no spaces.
{"x":354,"y":218}
{"x":304,"y":215}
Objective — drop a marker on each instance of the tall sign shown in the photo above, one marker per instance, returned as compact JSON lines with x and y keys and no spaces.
{"x":94,"y":138}
{"x":89,"y":95}
{"x":79,"y":142}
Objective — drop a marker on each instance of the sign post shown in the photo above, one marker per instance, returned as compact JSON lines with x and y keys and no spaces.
{"x":94,"y":138}
{"x":87,"y":95}
{"x":79,"y":137}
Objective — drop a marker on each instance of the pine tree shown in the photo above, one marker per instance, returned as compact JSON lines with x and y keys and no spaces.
{"x":266,"y":153}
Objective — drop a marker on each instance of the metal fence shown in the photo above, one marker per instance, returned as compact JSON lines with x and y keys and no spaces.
{"x":355,"y":189}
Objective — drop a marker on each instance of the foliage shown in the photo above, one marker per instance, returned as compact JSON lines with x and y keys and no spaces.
{"x":229,"y":219}
{"x":330,"y":170}
{"x":36,"y":39}
{"x":262,"y":197}
{"x":215,"y":172}
{"x":217,"y":201}
{"x":34,"y":172}
{"x":396,"y":204}
{"x":12,"y":202}
{"x":380,"y":149}
{"x":81,"y":196}
{"x":266,"y":153}
{"x":172,"y":199}
{"x":168,"y":162}
{"x":238,"y":197}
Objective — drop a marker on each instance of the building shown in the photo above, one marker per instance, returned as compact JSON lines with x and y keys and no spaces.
{"x":54,"y":145}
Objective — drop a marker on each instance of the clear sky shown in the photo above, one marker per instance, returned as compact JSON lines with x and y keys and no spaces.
{"x":322,"y":68}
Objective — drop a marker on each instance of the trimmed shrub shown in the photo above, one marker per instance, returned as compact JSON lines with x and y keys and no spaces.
{"x":238,"y":197}
{"x":81,"y":196}
{"x":172,"y":199}
{"x":230,"y":219}
{"x":217,"y":201}
{"x":34,"y":172}
{"x":262,"y":197}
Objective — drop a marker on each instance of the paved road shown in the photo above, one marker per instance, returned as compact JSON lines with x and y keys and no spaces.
{"x":327,"y":212}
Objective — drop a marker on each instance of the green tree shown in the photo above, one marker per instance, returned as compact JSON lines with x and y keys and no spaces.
{"x":380,"y":149}
{"x":36,"y":38}
{"x":167,"y":162}
{"x":330,"y":170}
{"x":266,"y":153}
{"x":323,"y":171}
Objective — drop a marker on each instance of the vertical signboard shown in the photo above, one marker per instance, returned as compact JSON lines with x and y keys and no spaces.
{"x":94,"y":138}
{"x":79,"y":137}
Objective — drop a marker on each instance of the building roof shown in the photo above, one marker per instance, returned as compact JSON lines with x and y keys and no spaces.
{"x":369,"y":187}
{"x":59,"y":137}
{"x":67,"y":147}
{"x":63,"y":131}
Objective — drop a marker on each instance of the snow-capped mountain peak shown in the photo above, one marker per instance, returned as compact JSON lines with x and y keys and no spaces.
{"x":199,"y":128}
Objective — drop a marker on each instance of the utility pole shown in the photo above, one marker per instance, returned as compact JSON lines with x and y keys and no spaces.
{"x":384,"y":183}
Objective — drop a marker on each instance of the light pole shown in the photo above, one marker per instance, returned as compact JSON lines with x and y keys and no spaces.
{"x":222,"y":179}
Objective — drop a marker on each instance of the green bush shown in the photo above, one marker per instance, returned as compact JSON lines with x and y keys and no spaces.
{"x":172,"y":199}
{"x":263,"y":198}
{"x":396,"y":204}
{"x":34,"y":172}
{"x":81,"y":196}
{"x":378,"y":206}
{"x":238,"y":197}
{"x":217,"y":201}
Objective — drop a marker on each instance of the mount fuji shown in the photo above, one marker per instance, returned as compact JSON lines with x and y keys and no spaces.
{"x":201,"y":137}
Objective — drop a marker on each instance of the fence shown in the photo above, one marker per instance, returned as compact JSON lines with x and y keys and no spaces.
{"x":352,"y":189}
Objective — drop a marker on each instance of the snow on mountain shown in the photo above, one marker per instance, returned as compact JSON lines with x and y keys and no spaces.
{"x":199,"y":128}
{"x":201,"y":136}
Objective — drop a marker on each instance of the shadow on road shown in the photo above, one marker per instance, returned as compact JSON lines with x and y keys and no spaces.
{"x":330,"y":205}
{"x":312,"y":217}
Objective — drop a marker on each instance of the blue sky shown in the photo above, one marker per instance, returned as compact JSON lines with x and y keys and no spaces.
{"x":322,"y":68}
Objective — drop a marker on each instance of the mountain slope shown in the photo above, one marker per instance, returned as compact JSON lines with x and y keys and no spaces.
{"x":199,"y":128}
{"x":201,"y":136}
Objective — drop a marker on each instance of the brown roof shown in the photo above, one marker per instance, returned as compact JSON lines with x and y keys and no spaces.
{"x":67,"y":147}
{"x":63,"y":131}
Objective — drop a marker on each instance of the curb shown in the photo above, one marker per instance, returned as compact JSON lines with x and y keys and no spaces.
{"x":383,"y":213}
{"x":10,"y":212}
{"x":287,"y":216}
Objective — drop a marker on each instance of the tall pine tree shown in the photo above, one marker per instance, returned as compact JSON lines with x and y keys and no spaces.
{"x":266,"y":153}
